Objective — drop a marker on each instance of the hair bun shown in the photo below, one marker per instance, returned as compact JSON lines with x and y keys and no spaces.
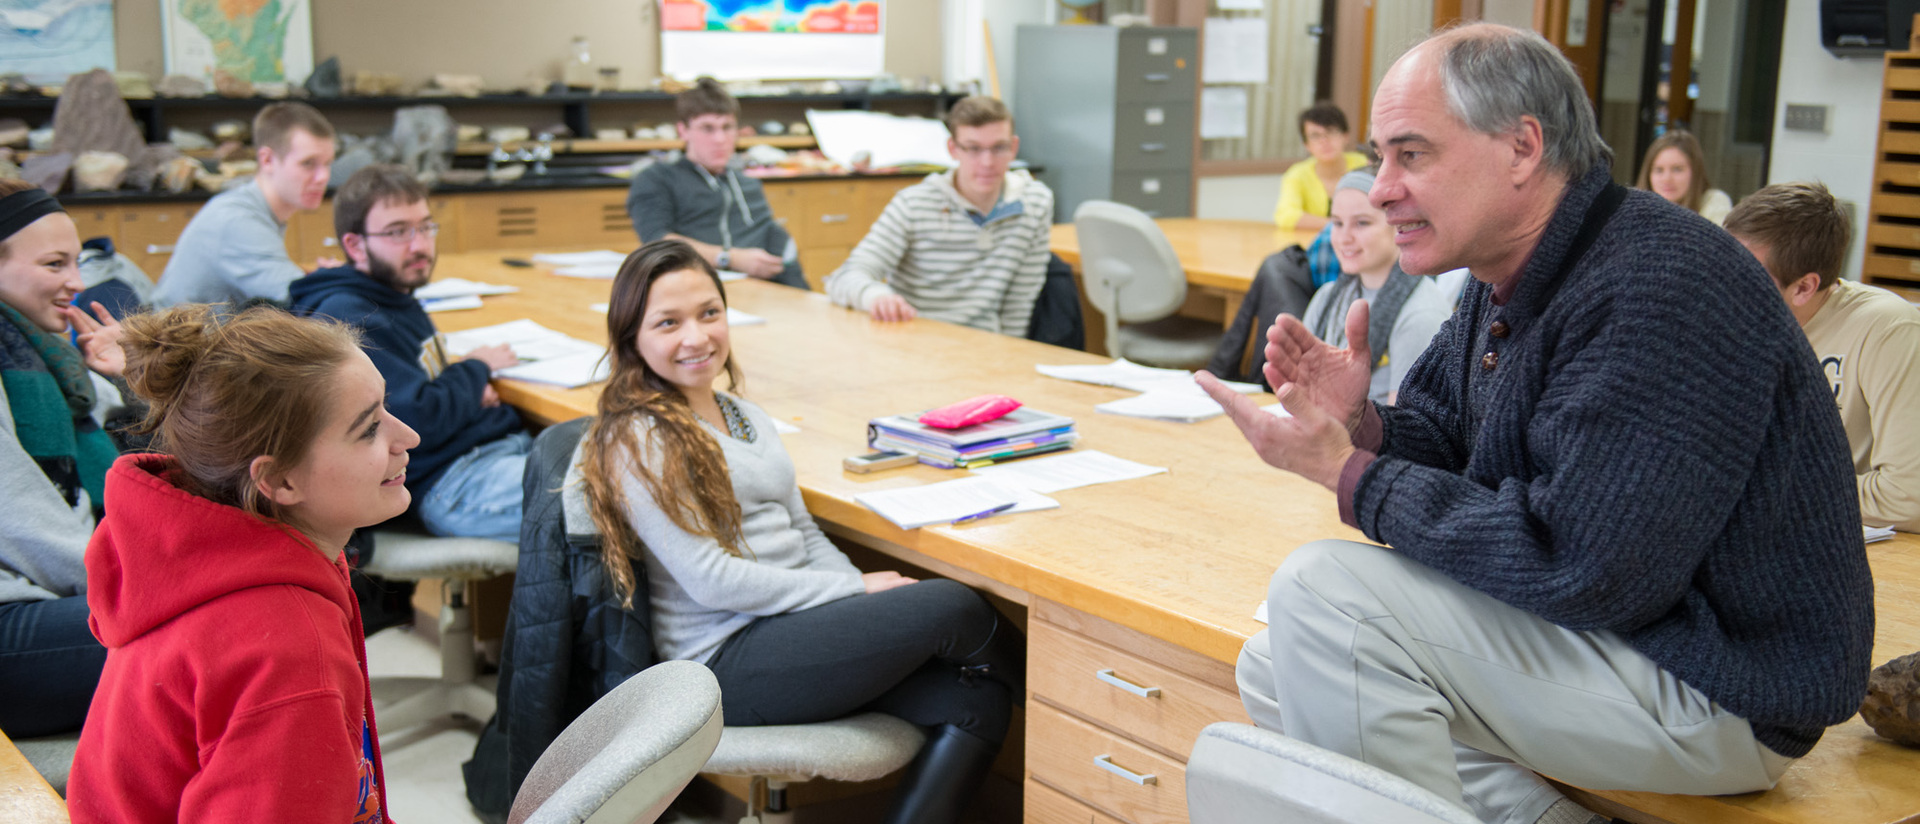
{"x":162,"y":348}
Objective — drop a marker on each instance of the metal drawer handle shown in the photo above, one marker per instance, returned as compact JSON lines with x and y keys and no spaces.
{"x":1157,"y":77}
{"x":1144,"y":692}
{"x":329,"y":242}
{"x":834,"y":218}
{"x":1153,"y":147}
{"x":159,"y":249}
{"x":1105,"y":762}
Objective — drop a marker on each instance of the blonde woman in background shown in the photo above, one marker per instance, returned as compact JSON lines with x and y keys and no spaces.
{"x":1676,"y":169}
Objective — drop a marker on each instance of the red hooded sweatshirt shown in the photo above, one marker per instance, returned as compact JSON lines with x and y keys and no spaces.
{"x":235,"y":687}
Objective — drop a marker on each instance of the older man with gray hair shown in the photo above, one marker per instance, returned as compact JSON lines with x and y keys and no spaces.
{"x":1625,"y":551}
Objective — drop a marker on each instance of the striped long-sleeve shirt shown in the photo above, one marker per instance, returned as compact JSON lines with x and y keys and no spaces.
{"x":951,"y":262}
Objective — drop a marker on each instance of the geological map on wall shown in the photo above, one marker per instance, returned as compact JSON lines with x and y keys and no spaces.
{"x":47,"y":40}
{"x":260,"y":41}
{"x":796,"y":16}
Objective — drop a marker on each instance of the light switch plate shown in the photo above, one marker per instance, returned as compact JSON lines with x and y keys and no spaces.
{"x":1807,"y":117}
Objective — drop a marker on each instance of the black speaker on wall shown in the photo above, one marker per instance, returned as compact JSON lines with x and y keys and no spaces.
{"x":1866,"y":28}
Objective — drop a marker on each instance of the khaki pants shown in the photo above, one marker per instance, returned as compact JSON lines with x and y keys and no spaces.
{"x":1379,"y":658}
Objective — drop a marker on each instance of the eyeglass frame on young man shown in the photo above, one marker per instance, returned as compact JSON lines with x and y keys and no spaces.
{"x":1001,"y":149}
{"x":406,"y":234}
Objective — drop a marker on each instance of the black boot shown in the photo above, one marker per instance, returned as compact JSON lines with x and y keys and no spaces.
{"x":943,"y":778}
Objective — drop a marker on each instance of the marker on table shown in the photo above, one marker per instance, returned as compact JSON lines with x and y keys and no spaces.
{"x":979,"y":515}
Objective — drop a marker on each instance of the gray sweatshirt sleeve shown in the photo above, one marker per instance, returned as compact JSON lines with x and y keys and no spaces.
{"x":43,"y":542}
{"x":253,"y":257}
{"x":718,"y":580}
{"x":1420,"y":319}
{"x":821,"y":553}
{"x":863,"y":278}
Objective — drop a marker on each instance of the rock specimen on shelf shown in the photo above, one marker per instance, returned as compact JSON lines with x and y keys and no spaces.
{"x":144,"y":171}
{"x":232,"y":130}
{"x":8,"y":171}
{"x":273,"y":91}
{"x":425,"y":136}
{"x":470,"y":133}
{"x":377,"y":84}
{"x":357,"y":153}
{"x":454,"y":85}
{"x":508,"y":134}
{"x":41,"y":139}
{"x":230,"y":86}
{"x":99,"y":171}
{"x":773,"y":127}
{"x":187,"y":140}
{"x":231,"y":169}
{"x":13,"y":132}
{"x":180,"y":85}
{"x":463,"y":177}
{"x":134,"y":85}
{"x":325,"y":79}
{"x":507,"y":173}
{"x":554,"y":130}
{"x":609,"y":134}
{"x":178,"y":173}
{"x":800,"y":128}
{"x":91,"y":117}
{"x":47,"y":171}
{"x":1892,"y":707}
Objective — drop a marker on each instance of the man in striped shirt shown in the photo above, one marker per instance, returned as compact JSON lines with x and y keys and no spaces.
{"x":966,"y":246}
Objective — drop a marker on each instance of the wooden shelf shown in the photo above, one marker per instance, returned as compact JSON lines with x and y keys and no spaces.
{"x":481,"y":148}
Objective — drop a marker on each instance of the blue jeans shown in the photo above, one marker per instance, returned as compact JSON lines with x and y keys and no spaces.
{"x":49,"y":665}
{"x":478,"y":495}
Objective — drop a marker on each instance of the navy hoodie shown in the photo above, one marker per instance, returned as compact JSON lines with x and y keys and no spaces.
{"x":442,"y":403}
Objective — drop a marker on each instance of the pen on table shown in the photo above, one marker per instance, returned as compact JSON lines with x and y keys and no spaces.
{"x":978,"y":515}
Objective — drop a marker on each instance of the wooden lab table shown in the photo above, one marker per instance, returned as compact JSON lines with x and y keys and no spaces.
{"x":1219,"y":256}
{"x":25,"y":797}
{"x":1154,"y":580}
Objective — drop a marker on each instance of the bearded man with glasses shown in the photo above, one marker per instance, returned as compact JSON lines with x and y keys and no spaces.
{"x":465,"y":473}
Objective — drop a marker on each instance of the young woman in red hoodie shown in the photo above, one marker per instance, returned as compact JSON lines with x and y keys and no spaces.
{"x":235,"y":686}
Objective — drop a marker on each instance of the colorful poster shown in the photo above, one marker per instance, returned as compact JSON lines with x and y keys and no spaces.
{"x":260,"y":41}
{"x":49,"y":40}
{"x":787,"y":16}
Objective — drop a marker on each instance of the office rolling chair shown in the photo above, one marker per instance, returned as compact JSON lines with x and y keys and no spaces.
{"x":411,"y":556}
{"x":1136,"y":281}
{"x":1239,"y":774}
{"x":630,"y":754}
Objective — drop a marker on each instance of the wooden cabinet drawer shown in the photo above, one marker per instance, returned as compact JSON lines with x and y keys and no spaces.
{"x":1105,"y":770}
{"x":1103,"y":683}
{"x":1046,"y":805}
{"x":833,"y":213}
{"x":787,"y":201}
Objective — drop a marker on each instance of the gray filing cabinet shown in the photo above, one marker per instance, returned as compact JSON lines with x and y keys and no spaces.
{"x":1108,"y":113}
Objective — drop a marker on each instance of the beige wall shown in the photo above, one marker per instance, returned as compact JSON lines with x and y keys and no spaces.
{"x":504,"y":41}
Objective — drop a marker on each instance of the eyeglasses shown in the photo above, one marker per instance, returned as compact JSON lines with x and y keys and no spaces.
{"x":406,"y":234}
{"x":996,"y":150}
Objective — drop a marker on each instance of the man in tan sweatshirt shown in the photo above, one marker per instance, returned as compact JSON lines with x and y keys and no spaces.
{"x":1867,"y":340}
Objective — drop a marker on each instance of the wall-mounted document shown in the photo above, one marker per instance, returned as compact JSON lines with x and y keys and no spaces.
{"x":1235,"y":50}
{"x":888,"y":140}
{"x":1223,"y":113}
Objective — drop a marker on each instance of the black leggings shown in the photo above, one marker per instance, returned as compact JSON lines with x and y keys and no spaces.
{"x":903,"y":652}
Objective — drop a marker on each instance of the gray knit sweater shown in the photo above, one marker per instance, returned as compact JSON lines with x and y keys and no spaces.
{"x":1653,"y":452}
{"x":700,"y":595}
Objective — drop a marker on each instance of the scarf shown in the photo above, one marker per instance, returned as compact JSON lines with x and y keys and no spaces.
{"x":50,"y":394}
{"x":1382,"y":313}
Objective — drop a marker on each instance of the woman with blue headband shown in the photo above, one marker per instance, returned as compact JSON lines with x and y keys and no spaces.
{"x":54,"y":456}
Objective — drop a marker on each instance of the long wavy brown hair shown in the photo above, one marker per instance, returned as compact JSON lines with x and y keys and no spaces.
{"x":690,"y":483}
{"x":1689,"y":146}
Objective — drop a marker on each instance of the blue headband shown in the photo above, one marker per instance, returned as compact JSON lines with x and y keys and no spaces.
{"x":19,"y":209}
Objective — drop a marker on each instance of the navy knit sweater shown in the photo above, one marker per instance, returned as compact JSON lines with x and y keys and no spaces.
{"x":1649,"y":449}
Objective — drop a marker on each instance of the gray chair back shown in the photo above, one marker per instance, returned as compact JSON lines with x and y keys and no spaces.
{"x":1128,"y":266}
{"x":1240,"y":774}
{"x":630,"y":754}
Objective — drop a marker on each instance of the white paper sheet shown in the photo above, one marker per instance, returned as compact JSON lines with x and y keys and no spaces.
{"x":450,"y":304}
{"x":460,"y":287}
{"x":888,"y":140}
{"x":949,"y":501}
{"x":1179,"y":407}
{"x":1260,"y":613}
{"x":568,"y":371}
{"x":1276,"y":410}
{"x":729,"y":276}
{"x":1235,"y":50}
{"x":1878,"y":533}
{"x":590,"y":271}
{"x":1074,"y":469}
{"x":530,"y":341}
{"x":579,"y":258}
{"x":783,"y":427}
{"x":1223,"y":113}
{"x":1129,"y":375}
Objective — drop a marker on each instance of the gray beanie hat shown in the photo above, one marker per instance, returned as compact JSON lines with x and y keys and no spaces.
{"x":1359,"y":179}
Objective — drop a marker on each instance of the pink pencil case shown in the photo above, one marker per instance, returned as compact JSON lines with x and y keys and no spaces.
{"x":969,"y":412}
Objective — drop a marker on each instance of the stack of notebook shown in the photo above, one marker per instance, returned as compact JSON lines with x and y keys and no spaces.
{"x":1020,"y":433}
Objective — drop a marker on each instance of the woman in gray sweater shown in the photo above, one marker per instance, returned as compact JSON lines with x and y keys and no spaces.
{"x":695,"y":484}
